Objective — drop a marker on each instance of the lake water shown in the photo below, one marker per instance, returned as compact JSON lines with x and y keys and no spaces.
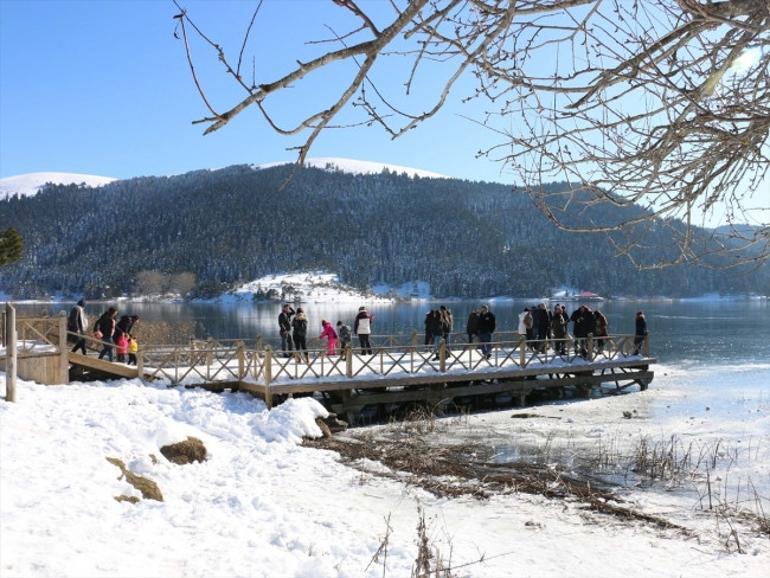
{"x":707,"y":332}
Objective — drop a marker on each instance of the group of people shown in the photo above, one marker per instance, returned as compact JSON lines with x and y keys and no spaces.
{"x":539,"y":327}
{"x":113,"y":333}
{"x":293,"y":327}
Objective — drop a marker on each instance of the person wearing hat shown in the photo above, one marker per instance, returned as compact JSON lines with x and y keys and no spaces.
{"x":363,"y":328}
{"x":76,"y":324}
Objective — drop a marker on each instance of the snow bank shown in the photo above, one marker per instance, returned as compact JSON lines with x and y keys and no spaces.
{"x":262,"y":505}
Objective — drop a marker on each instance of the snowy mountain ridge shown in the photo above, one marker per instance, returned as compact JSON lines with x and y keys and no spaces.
{"x":357,"y":167}
{"x":29,"y":184}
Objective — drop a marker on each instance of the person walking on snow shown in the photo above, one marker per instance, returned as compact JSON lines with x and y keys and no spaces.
{"x":330,"y":335}
{"x":363,"y":328}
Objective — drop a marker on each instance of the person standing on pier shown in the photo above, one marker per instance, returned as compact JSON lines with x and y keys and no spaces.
{"x":77,"y":323}
{"x":447,"y":322}
{"x":525,"y":326}
{"x":330,"y":335}
{"x":472,"y":327}
{"x":363,"y":328}
{"x":640,"y":333}
{"x":486,"y":329}
{"x":601,"y":330}
{"x":284,"y":326}
{"x":299,"y":325}
{"x":559,"y":330}
{"x":433,"y":329}
{"x":344,"y":333}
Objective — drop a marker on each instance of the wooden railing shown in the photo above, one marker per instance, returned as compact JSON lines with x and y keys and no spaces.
{"x":232,"y":361}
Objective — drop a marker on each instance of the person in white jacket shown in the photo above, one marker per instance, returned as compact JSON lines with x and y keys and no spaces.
{"x":363,"y":328}
{"x":525,"y":325}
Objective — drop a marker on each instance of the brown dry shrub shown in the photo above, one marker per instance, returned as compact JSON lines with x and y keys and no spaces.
{"x":186,"y":452}
{"x":148,"y":488}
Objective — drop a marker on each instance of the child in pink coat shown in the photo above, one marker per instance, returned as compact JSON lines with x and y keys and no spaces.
{"x":331,"y":335}
{"x":122,"y":343}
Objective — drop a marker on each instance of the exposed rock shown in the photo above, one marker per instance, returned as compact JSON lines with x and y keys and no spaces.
{"x":334,"y":423}
{"x":327,"y":433}
{"x":148,"y":488}
{"x":186,"y":452}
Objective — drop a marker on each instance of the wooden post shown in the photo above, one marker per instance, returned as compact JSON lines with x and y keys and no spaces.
{"x":64,"y":361}
{"x":646,"y":346}
{"x":349,"y":361}
{"x":268,"y":373}
{"x":258,"y":343}
{"x":522,"y":352}
{"x":413,"y":339}
{"x":10,"y":353}
{"x":590,"y":346}
{"x":241,"y":360}
{"x":442,"y":356}
{"x":209,"y":351}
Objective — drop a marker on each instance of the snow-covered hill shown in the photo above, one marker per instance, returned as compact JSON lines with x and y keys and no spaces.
{"x":359,"y":167}
{"x":30,"y":183}
{"x":305,"y":287}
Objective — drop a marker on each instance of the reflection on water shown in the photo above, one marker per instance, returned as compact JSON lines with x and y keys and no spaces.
{"x":704,"y":332}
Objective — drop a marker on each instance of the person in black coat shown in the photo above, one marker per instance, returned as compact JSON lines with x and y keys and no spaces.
{"x":541,"y":325}
{"x":486,"y":327}
{"x":472,"y":326}
{"x":125,"y":325}
{"x":640,"y":333}
{"x":284,"y":328}
{"x":299,"y":325}
{"x":105,"y":326}
{"x":433,"y":330}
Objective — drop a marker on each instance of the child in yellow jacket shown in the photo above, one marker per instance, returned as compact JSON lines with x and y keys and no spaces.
{"x":133,"y":347}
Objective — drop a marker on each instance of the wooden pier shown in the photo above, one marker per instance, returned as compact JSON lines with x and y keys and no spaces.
{"x":399,"y":370}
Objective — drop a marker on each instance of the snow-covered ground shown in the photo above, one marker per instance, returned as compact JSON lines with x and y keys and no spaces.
{"x":262,"y":505}
{"x":30,"y":183}
{"x":359,"y":167}
{"x":305,"y":287}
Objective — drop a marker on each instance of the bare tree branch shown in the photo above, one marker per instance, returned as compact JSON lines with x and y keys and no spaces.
{"x":659,"y":108}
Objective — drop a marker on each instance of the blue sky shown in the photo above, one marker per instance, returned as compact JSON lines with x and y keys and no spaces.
{"x":103,"y":88}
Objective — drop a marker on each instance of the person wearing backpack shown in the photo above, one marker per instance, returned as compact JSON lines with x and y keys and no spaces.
{"x":77,"y":323}
{"x":343,"y":331}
